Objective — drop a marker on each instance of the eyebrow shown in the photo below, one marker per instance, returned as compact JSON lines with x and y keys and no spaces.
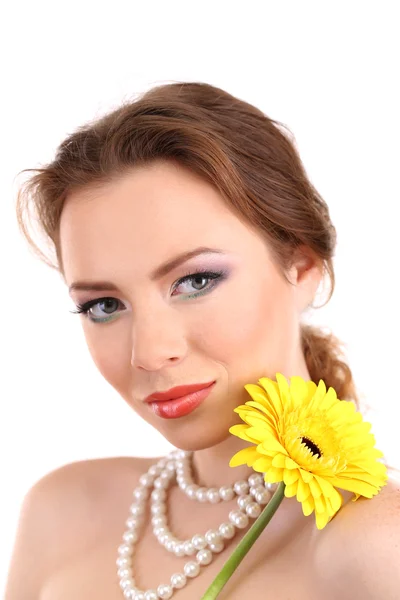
{"x":161,"y":271}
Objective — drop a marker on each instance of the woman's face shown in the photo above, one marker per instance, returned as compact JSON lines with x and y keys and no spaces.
{"x":233,"y":327}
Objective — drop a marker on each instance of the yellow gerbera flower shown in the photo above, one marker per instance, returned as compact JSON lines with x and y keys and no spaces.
{"x":308,"y":438}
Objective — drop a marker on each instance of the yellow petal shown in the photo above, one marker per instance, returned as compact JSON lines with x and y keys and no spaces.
{"x":245,"y":456}
{"x":284,"y":390}
{"x":320,"y":504}
{"x":291,"y":489}
{"x":322,"y":519}
{"x":290,"y":463}
{"x":315,"y":489}
{"x":271,"y":446}
{"x":308,"y":506}
{"x":299,"y":391}
{"x":259,"y":395}
{"x":262,"y":464}
{"x":303,"y":490}
{"x":306,"y":476}
{"x":279,"y":461}
{"x":352,"y":485}
{"x":240,"y":431}
{"x":290,"y":476}
{"x":274,"y":475}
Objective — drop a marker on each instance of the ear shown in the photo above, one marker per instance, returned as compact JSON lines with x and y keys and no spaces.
{"x":305,"y":274}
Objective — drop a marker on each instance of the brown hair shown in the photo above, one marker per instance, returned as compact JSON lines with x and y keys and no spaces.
{"x":250,"y":159}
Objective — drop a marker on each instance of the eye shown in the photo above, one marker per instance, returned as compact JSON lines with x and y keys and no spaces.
{"x":108,"y":305}
{"x":200,"y":281}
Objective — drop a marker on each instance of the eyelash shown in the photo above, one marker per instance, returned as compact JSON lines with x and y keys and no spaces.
{"x":213,"y":275}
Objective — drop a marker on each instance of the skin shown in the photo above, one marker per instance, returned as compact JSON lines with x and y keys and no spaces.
{"x":160,"y":337}
{"x":245,"y":328}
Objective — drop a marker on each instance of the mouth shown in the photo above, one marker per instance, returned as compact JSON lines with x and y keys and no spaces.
{"x":181,"y":406}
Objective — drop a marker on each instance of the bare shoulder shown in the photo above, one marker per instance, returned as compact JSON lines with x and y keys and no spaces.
{"x":72,"y":503}
{"x":360,"y":550}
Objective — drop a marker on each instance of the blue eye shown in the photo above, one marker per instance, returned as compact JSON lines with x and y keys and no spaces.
{"x":197,"y":278}
{"x":84,"y":308}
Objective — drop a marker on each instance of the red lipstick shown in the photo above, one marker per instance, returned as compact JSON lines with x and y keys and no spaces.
{"x":179,"y":401}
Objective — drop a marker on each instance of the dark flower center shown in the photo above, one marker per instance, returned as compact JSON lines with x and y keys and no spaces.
{"x":311,"y":446}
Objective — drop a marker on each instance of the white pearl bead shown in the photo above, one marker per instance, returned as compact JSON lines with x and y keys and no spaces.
{"x":150,"y":595}
{"x":158,"y":508}
{"x":212,"y":536}
{"x":163,"y":538}
{"x":130,"y":593}
{"x":158,"y":520}
{"x":270,"y":486}
{"x":164,"y":591}
{"x":178,"y":580}
{"x":170,"y":545}
{"x":158,"y":495}
{"x":182,"y":454}
{"x":133,"y":522}
{"x":216,"y":546}
{"x":139,"y":596}
{"x":141,"y":494}
{"x":191,"y":490}
{"x":241,"y":487}
{"x":243,"y":501}
{"x":204,"y":556}
{"x":154,"y":470}
{"x":179,"y":549}
{"x":253,"y":510}
{"x":255,"y":479}
{"x":201,"y":494}
{"x":263,"y":497}
{"x":226,"y":492}
{"x":130,"y":537}
{"x":124,"y":549}
{"x":213,"y":495}
{"x":232,"y":516}
{"x":199,"y":541}
{"x":125,"y":572}
{"x":191,"y":569}
{"x":253,"y":490}
{"x":126,"y":582}
{"x":161,"y":483}
{"x":170,"y":466}
{"x":227,"y":530}
{"x":189,"y":548}
{"x":137,"y":510}
{"x":146,"y":480}
{"x":241,"y":520}
{"x":123,"y":561}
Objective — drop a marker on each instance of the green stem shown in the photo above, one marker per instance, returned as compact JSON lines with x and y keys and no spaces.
{"x":245,"y":544}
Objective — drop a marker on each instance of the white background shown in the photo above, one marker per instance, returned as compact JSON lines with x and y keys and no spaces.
{"x":329,"y":70}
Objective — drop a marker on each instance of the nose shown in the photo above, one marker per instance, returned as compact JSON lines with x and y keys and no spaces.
{"x":157,"y":341}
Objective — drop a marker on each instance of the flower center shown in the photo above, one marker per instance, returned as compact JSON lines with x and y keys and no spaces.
{"x":311,"y":446}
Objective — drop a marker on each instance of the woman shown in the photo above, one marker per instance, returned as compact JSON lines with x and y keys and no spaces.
{"x":192,"y":242}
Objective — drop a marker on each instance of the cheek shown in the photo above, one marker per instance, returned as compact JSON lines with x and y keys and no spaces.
{"x":110,"y":358}
{"x":250,"y":327}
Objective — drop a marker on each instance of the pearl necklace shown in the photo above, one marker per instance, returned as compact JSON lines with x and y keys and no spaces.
{"x":251,"y":496}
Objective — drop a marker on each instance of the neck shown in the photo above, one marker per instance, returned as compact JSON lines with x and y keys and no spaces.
{"x":211,"y":465}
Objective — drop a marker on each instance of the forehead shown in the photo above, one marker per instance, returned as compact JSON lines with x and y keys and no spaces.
{"x":147,"y":215}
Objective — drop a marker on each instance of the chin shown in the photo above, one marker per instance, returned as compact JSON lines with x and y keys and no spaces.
{"x":199,"y":436}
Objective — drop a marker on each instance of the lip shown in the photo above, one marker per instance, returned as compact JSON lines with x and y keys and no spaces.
{"x":177,"y":392}
{"x":183,"y":405}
